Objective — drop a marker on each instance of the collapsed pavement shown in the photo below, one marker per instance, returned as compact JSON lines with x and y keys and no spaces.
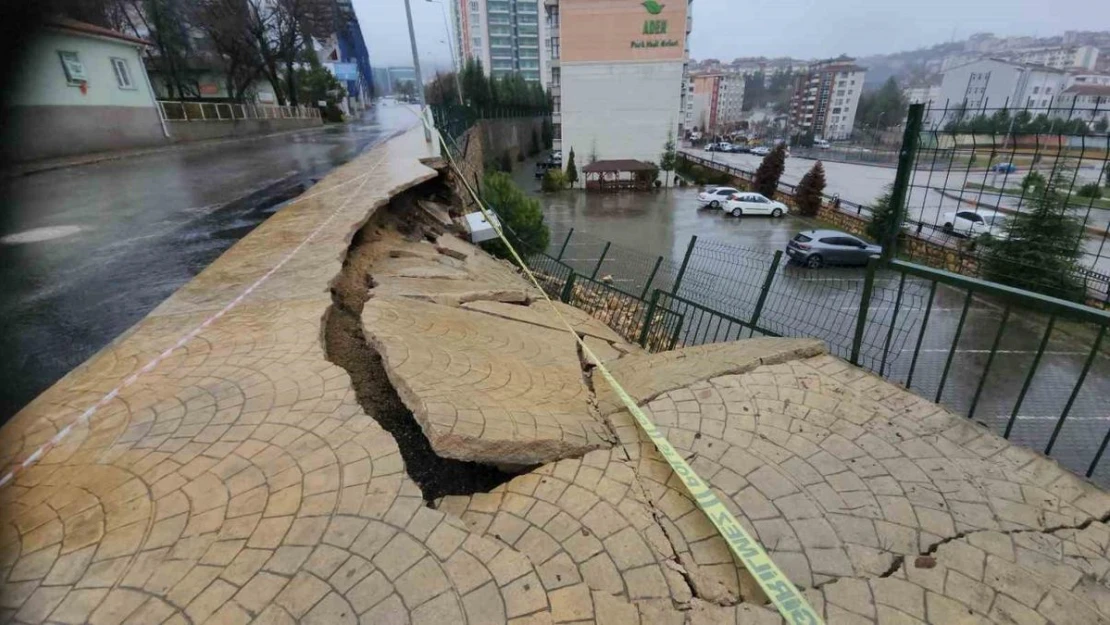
{"x":394,"y":427}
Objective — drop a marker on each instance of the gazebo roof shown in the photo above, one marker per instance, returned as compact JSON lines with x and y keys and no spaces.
{"x":625,"y":164}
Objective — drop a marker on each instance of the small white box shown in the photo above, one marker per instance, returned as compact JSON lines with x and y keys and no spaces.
{"x":480,"y":229}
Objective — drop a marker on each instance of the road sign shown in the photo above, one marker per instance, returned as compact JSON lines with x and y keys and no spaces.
{"x":345,"y":71}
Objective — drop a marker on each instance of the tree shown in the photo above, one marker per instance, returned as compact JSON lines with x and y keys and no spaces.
{"x":884,"y":216}
{"x":225,"y":24}
{"x":669,"y":158}
{"x":770,"y":170}
{"x":521,"y":216}
{"x":317,"y":84}
{"x":572,"y":171}
{"x":811,"y":190}
{"x":883,"y":108}
{"x":534,"y":147}
{"x":1042,"y":246}
{"x":168,"y":28}
{"x":1102,"y":125}
{"x":548,"y":133}
{"x":1033,"y":182}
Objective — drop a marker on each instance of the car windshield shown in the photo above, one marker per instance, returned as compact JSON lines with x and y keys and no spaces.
{"x":801,"y":238}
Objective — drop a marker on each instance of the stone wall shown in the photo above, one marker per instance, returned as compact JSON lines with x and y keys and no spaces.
{"x":484,"y":142}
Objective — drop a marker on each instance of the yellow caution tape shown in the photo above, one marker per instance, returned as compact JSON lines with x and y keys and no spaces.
{"x":791,"y":604}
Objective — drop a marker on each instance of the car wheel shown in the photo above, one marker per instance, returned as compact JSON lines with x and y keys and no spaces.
{"x":815,"y":261}
{"x":777,"y":212}
{"x":714,"y":204}
{"x":736,"y":212}
{"x":948,"y":228}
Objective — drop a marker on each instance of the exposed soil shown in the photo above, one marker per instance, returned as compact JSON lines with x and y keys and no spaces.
{"x":345,"y":344}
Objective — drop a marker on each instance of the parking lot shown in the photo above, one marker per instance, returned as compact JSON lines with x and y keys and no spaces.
{"x":825,"y":303}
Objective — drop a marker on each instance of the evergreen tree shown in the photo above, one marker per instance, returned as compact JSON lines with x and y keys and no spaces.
{"x":770,"y":170}
{"x":669,"y":159}
{"x":572,"y":171}
{"x":810,"y":190}
{"x":1041,"y":248}
{"x":883,"y":216}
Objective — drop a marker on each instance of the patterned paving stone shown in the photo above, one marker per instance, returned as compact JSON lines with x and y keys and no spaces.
{"x":498,"y":393}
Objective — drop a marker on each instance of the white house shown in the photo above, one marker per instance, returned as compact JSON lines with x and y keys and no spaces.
{"x":81,"y":88}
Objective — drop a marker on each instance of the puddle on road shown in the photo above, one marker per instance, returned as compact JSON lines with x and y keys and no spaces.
{"x":37,"y":235}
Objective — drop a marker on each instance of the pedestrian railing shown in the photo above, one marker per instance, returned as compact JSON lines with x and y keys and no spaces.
{"x":227,"y":111}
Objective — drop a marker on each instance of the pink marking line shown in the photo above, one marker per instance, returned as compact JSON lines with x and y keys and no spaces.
{"x":181,"y":342}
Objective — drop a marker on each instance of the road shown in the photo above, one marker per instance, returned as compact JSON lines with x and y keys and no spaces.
{"x":863,"y":183}
{"x":731,"y":261}
{"x":87,"y":251}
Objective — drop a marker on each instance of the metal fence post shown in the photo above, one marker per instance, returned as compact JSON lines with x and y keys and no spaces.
{"x":564,"y":247}
{"x":685,"y":263}
{"x":864,"y":305}
{"x":765,"y":289}
{"x":899,"y":194}
{"x":647,"y":319}
{"x":568,"y":288}
{"x":597,"y":268}
{"x":651,"y":278}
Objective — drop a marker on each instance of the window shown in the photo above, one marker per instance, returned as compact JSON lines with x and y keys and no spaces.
{"x":1036,"y":89}
{"x":123,"y":73}
{"x":473,"y":6}
{"x":1047,"y":90}
{"x":74,"y":68}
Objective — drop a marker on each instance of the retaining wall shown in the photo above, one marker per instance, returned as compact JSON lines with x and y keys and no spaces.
{"x":182,"y":131}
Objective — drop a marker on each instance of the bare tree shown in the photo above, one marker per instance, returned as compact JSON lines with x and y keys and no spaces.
{"x":226,"y":23}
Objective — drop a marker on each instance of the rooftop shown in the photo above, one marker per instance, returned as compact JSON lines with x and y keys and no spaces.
{"x":83,"y":28}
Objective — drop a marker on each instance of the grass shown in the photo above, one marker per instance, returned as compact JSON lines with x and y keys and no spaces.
{"x":1073,"y":201}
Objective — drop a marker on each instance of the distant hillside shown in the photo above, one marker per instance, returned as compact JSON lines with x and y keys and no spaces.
{"x":907,"y":67}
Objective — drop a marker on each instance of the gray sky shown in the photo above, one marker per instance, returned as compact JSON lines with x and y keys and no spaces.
{"x":726,"y":29}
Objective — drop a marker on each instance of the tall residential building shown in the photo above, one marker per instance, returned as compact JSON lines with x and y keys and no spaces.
{"x":825,"y":99}
{"x":996,"y":83}
{"x":505,"y":35}
{"x":618,"y":75}
{"x":1058,"y":57}
{"x":718,"y":101}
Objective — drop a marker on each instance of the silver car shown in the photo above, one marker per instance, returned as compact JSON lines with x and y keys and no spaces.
{"x":817,"y":248}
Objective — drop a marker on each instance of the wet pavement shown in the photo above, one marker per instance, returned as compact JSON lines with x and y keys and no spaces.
{"x":733,"y":256}
{"x":86,"y":252}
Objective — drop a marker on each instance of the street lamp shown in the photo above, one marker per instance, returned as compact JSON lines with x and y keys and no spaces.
{"x":450,"y":46}
{"x":419,"y":77}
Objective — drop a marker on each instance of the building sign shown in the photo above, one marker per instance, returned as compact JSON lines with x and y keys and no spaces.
{"x":654,"y":27}
{"x":623,"y":30}
{"x":345,"y":71}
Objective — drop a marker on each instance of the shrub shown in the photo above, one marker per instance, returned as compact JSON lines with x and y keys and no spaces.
{"x":521,"y":217}
{"x":1033,"y":182}
{"x":770,"y":170}
{"x":554,"y":180}
{"x":883,"y":217}
{"x":1041,"y":252}
{"x":810,"y":190}
{"x":1090,"y":190}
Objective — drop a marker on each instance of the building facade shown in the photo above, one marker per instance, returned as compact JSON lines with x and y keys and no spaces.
{"x":618,"y":76}
{"x":718,"y":101}
{"x":504,"y":35}
{"x":826,"y":96}
{"x":997,"y":83}
{"x":1060,"y":57}
{"x":1090,"y":103}
{"x":929,"y":95}
{"x":80,"y":88}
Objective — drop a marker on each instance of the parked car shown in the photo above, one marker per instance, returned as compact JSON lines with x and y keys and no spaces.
{"x":543,"y":166}
{"x":976,"y":223}
{"x":817,"y":248}
{"x":1004,"y":168}
{"x":761,"y":150}
{"x":556,"y":157}
{"x":821,"y":144}
{"x":715,"y":197}
{"x":746,"y":203}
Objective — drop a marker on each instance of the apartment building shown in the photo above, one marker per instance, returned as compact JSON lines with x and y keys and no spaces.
{"x":929,"y":95}
{"x":718,"y":100}
{"x":618,"y":76}
{"x":1090,"y":103}
{"x":505,"y":35}
{"x":826,"y":96}
{"x":995,"y":83}
{"x":1058,"y":57}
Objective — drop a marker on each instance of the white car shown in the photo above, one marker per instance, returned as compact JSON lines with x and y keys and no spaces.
{"x":976,"y":223}
{"x":715,"y":197}
{"x":761,"y":150}
{"x":747,"y":203}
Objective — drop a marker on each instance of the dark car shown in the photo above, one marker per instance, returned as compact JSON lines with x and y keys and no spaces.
{"x":817,"y":248}
{"x":543,"y":166}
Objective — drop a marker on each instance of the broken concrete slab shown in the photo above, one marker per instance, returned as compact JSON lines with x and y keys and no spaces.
{"x":648,"y":375}
{"x":484,"y":390}
{"x":540,"y":313}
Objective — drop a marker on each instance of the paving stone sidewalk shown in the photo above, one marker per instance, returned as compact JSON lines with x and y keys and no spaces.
{"x":239,"y":480}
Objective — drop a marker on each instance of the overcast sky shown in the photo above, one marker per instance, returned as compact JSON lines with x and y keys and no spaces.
{"x":726,"y":29}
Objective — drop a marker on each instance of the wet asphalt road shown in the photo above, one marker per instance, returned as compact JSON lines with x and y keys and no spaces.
{"x":110,"y":241}
{"x":825,"y":303}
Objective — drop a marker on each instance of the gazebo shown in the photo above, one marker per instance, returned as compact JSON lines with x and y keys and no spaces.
{"x":618,"y":175}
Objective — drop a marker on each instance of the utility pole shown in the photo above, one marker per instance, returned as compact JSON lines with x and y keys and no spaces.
{"x":419,"y":77}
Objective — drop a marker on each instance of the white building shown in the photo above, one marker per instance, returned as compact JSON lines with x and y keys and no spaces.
{"x":994,"y":84}
{"x":826,"y":97}
{"x":928,"y":95}
{"x":1090,"y":103}
{"x":504,"y":35}
{"x":618,"y":77}
{"x":1059,"y":57}
{"x":718,"y":100}
{"x":1087,"y":79}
